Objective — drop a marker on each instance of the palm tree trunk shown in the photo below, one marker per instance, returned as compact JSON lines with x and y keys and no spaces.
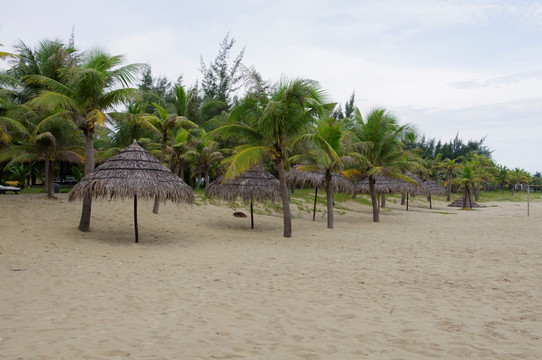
{"x":50,"y":179}
{"x":329,"y":197}
{"x":46,"y":178}
{"x":285,"y":195}
{"x":172,"y":154}
{"x":156,"y":206}
{"x":449,"y":187}
{"x":383,"y":201}
{"x":403,"y":199}
{"x":374,"y":200}
{"x":206,"y":178}
{"x":84,"y":223}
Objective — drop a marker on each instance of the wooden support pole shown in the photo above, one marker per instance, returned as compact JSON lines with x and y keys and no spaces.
{"x":315,"y":197}
{"x":251,"y":214}
{"x":135,"y":220}
{"x":528,"y":199}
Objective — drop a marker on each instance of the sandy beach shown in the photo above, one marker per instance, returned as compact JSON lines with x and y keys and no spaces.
{"x":422,"y":284}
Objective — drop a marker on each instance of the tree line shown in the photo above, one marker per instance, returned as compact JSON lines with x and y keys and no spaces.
{"x":62,"y":110}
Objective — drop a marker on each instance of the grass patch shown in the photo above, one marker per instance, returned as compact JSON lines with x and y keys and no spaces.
{"x":31,"y":190}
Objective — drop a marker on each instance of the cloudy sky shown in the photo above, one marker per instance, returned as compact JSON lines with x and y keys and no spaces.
{"x":472,"y":68}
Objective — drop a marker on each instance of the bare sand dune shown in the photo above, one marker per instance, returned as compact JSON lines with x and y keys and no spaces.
{"x":423,"y":284}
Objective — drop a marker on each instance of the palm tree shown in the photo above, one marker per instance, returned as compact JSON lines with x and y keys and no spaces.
{"x":87,"y":91}
{"x":450,"y":167}
{"x":466,"y":179}
{"x":203,"y":155}
{"x":267,"y":126}
{"x":503,"y":176}
{"x":380,"y":147}
{"x":50,"y":137}
{"x":518,"y":176}
{"x":165,"y":123}
{"x":329,"y":146}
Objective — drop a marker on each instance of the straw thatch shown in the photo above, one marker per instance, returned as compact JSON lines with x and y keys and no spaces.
{"x":133,"y":172}
{"x":316,"y":179}
{"x":431,"y":187}
{"x":386,"y":185}
{"x":254,"y":184}
{"x":459,"y":203}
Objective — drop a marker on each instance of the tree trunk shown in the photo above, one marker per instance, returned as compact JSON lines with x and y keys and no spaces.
{"x":51,"y":179}
{"x":383,"y":201}
{"x":329,"y":198}
{"x":172,"y":154}
{"x":84,"y":223}
{"x":403,"y":199}
{"x":156,"y":206}
{"x":46,"y":177}
{"x":465,"y":198}
{"x":285,"y":199}
{"x":374,"y":200}
{"x":206,"y":178}
{"x":449,"y":188}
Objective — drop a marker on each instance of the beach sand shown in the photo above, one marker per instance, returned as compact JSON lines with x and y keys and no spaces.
{"x":422,"y":284}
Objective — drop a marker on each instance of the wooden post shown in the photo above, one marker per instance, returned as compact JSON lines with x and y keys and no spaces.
{"x":315,"y":197}
{"x":135,"y":220}
{"x":528,"y":198}
{"x":406,"y":201}
{"x":251,"y":214}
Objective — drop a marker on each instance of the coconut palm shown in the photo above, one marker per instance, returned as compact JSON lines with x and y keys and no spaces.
{"x":87,"y":91}
{"x":165,"y":123}
{"x":328,"y":154}
{"x":50,"y":137}
{"x":267,"y":125}
{"x":467,"y":178}
{"x":518,"y":176}
{"x":380,"y":147}
{"x":503,"y":176}
{"x":450,"y":167}
{"x":203,"y":156}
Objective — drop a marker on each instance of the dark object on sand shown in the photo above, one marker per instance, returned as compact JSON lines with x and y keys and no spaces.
{"x":239,"y":214}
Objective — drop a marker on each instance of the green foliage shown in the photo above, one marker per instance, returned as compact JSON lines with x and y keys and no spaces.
{"x":220,"y":78}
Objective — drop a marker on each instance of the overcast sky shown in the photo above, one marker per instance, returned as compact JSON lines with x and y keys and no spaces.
{"x":472,"y":68}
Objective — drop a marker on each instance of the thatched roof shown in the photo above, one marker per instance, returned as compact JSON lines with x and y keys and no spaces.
{"x":133,"y":172}
{"x":386,"y":185}
{"x":431,"y":187}
{"x":256,"y":184}
{"x":459,"y":203}
{"x":315,"y":179}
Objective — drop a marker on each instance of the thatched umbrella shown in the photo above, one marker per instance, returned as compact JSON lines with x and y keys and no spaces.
{"x":431,"y":187}
{"x":387,"y":185}
{"x":254,"y":184}
{"x":316,"y":179}
{"x":133,"y":172}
